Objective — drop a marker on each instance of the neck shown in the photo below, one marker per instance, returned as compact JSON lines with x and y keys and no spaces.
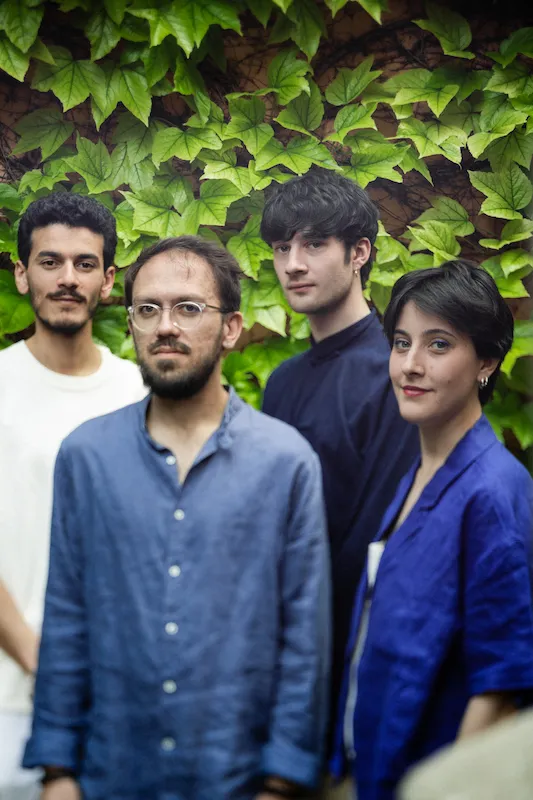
{"x":184,"y":417}
{"x":69,"y":355}
{"x":351,"y":309}
{"x":436,"y":443}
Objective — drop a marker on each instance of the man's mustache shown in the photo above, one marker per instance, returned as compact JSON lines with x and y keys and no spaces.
{"x":73,"y":294}
{"x":171,"y":343}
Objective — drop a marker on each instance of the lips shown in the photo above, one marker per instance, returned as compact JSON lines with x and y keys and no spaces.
{"x":414,"y":391}
{"x":298,"y":287}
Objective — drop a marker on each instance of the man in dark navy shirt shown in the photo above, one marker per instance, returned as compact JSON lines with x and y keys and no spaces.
{"x":337,"y":394}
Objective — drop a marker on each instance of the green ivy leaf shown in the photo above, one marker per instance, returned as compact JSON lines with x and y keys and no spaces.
{"x":438,"y":237}
{"x":16,"y":312}
{"x":298,"y":156}
{"x":421,"y":85}
{"x":70,"y":80}
{"x":522,"y":345}
{"x":212,"y":206}
{"x":261,"y":9}
{"x":116,"y":10}
{"x":134,"y":93}
{"x":21,"y":22}
{"x":157,"y":61}
{"x":428,"y":141}
{"x":12,"y":60}
{"x":180,"y":189}
{"x":374,"y":7}
{"x":247,"y":124}
{"x":509,"y":287}
{"x":513,"y":81}
{"x":335,"y":6}
{"x":110,"y":326}
{"x":184,"y":144}
{"x":521,"y":41}
{"x":286,"y":76}
{"x":101,"y":172}
{"x":9,"y":198}
{"x":308,"y":25}
{"x":412,"y":161}
{"x":304,"y":113}
{"x":515,"y":260}
{"x":45,"y":128}
{"x":376,"y":162}
{"x":451,"y":29}
{"x":35,"y":179}
{"x":165,"y":21}
{"x":249,"y":249}
{"x":239,"y":176}
{"x":451,"y":213}
{"x":351,"y":118}
{"x":152,"y":212}
{"x":103,"y":34}
{"x":515,"y":147}
{"x":517,"y":230}
{"x":134,"y":30}
{"x":461,"y":116}
{"x":40,"y":52}
{"x":283,"y":4}
{"x":349,"y":83}
{"x":139,"y":175}
{"x":507,"y":191}
{"x":135,"y":135}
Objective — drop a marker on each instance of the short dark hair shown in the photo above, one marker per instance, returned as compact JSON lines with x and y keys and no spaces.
{"x":465,"y":296}
{"x":321,"y":203}
{"x":73,"y":210}
{"x":224,"y":266}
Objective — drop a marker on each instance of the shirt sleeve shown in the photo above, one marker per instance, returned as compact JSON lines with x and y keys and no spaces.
{"x":295,"y":748}
{"x":498,"y":614}
{"x":62,"y":694}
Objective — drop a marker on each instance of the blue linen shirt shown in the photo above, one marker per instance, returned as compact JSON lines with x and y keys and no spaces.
{"x":339,"y":396}
{"x":185,"y":645}
{"x":451,"y":614}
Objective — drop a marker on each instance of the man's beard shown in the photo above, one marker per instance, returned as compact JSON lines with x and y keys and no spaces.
{"x":65,"y":327}
{"x":185,"y":385}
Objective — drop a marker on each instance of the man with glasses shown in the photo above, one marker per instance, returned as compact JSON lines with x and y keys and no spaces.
{"x":185,"y":641}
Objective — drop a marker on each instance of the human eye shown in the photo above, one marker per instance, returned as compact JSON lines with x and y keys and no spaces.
{"x":146,"y":310}
{"x":400,"y":343}
{"x":440,"y":345}
{"x":189,"y":309}
{"x":86,"y":266}
{"x":315,"y":244}
{"x":281,"y":248}
{"x":48,"y":263}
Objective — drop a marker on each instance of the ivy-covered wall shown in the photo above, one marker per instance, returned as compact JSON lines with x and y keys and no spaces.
{"x":177,"y":115}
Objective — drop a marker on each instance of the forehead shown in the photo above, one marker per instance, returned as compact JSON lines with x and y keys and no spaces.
{"x":300,"y":237}
{"x":67,"y":241}
{"x":413,"y":319}
{"x":173,"y":274}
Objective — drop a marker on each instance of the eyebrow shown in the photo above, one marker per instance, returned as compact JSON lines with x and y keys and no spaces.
{"x":195,"y":298}
{"x":60,"y":256}
{"x":429,"y":332}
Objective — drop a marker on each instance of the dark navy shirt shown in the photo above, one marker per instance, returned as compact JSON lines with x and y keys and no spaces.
{"x":451,"y":613}
{"x":185,"y":643}
{"x":339,"y":396}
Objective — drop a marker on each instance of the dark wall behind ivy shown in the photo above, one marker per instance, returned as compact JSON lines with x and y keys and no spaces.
{"x":179,"y":114}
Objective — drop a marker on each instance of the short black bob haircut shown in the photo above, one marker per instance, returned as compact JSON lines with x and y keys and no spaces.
{"x":466,"y":297}
{"x":73,"y":210}
{"x":321,"y":203}
{"x":224,"y":266}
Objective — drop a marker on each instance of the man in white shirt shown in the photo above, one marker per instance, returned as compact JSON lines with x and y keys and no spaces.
{"x":50,"y":384}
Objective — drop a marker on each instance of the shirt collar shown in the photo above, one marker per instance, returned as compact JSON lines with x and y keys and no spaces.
{"x":334,"y":344}
{"x":220,"y":438}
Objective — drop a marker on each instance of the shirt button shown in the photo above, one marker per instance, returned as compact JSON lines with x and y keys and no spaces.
{"x":169,"y":687}
{"x":179,"y":514}
{"x":174,"y":571}
{"x":171,"y":460}
{"x":168,"y":743}
{"x":171,"y":628}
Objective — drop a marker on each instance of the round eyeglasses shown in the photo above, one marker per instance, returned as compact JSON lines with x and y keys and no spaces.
{"x":185,"y":316}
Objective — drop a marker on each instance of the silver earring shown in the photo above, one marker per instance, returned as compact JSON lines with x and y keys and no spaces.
{"x":483,"y":383}
{"x":356,"y":272}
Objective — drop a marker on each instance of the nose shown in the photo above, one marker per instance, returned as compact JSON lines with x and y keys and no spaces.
{"x":68,"y":275}
{"x":295,"y":262}
{"x":412,"y":363}
{"x":166,"y":326}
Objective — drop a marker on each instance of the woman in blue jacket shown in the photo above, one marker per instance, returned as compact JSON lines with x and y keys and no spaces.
{"x":442,"y":636}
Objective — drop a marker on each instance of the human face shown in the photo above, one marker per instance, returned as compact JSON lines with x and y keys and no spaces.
{"x":65,"y":277}
{"x":434,"y":369}
{"x":176,"y":364}
{"x":315,"y":274}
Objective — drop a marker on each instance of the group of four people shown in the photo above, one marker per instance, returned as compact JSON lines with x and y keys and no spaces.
{"x":190,"y":648}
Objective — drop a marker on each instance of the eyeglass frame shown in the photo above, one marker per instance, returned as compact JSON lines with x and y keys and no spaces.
{"x":201,"y":306}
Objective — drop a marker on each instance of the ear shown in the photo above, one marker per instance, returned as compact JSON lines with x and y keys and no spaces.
{"x":488,"y":365}
{"x":232,"y":329}
{"x":21,"y":278}
{"x":360,"y":253}
{"x":109,"y":280}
